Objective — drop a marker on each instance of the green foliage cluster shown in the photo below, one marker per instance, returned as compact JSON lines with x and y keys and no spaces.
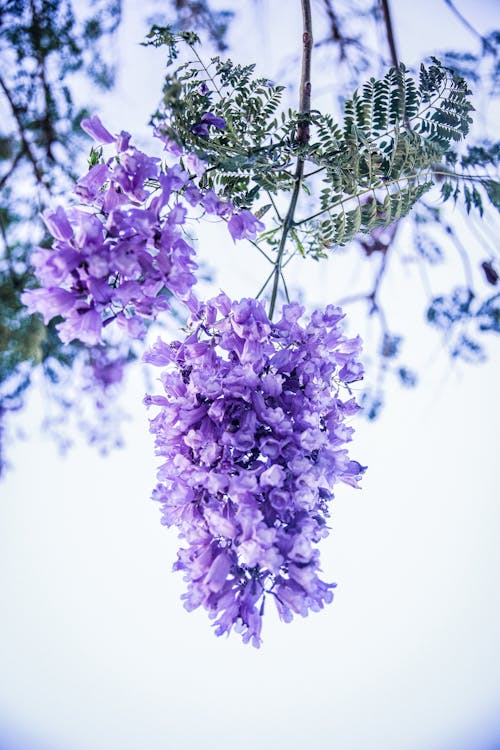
{"x":254,"y":151}
{"x":397,"y":137}
{"x":389,"y":150}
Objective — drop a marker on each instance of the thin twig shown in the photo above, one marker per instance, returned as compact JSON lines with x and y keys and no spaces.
{"x":285,"y":287}
{"x":486,"y":44}
{"x":336,"y":33}
{"x":464,"y":257}
{"x":269,"y":195}
{"x":13,"y":167}
{"x":266,"y":282}
{"x":261,"y":251}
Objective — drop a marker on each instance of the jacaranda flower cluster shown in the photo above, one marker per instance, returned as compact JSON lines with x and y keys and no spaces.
{"x":120,"y":255}
{"x":252,"y":425}
{"x":251,"y":431}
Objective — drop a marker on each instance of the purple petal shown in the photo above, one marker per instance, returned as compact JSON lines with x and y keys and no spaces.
{"x":57,"y":223}
{"x":94,"y":127}
{"x":85,"y":325}
{"x":244,"y":226}
{"x":211,"y":119}
{"x":200,"y":129}
{"x":49,"y":302}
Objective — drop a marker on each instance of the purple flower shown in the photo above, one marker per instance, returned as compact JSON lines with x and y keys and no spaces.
{"x":84,"y":324}
{"x":208,"y":119}
{"x":117,"y":260}
{"x":195,"y":165}
{"x":244,"y":226}
{"x":94,"y":127}
{"x":214,"y":205}
{"x":57,"y":223}
{"x":170,"y":145}
{"x":49,"y":302}
{"x":211,"y":119}
{"x":88,"y":187}
{"x":106,"y":366}
{"x":201,"y":129}
{"x":251,"y":429}
{"x":52,"y":268}
{"x":123,"y":141}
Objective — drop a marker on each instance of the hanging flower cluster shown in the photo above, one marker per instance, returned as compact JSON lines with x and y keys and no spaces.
{"x":119,"y":256}
{"x":251,"y":431}
{"x":252,"y":424}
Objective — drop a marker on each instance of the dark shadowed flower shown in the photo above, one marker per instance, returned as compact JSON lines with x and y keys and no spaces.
{"x":211,"y":119}
{"x":208,"y":119}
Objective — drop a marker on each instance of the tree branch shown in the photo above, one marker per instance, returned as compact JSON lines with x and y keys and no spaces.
{"x":305,"y":79}
{"x":391,"y":40}
{"x":302,"y":137}
{"x":5,"y":177}
{"x":25,"y":143}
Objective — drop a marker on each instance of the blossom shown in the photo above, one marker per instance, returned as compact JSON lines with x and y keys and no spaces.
{"x":119,"y":256}
{"x":94,"y":127}
{"x":195,"y":165}
{"x":244,"y":225}
{"x":49,"y":302}
{"x":208,"y":119}
{"x":83,"y":323}
{"x":251,"y":429}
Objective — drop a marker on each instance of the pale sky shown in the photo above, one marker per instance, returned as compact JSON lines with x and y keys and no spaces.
{"x":96,"y":650}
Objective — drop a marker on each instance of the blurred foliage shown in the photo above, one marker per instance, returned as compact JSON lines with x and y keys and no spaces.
{"x":192,"y":16}
{"x":46,"y":46}
{"x":48,"y":49}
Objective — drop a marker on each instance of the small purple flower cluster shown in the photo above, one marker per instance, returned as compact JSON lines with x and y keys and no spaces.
{"x":119,"y":256}
{"x":251,"y":431}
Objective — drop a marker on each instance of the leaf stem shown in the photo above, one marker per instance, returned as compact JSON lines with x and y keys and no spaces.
{"x":266,"y":282}
{"x":428,"y":173}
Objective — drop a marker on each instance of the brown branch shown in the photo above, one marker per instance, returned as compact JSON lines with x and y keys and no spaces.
{"x":305,"y":79}
{"x":336,"y":33}
{"x":46,"y":123}
{"x":13,"y":167}
{"x":25,"y":143}
{"x":372,"y":297}
{"x":389,"y":30}
{"x":334,"y":22}
{"x":302,"y":137}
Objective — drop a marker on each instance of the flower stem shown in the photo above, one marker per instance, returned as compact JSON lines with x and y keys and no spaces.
{"x":302,"y":137}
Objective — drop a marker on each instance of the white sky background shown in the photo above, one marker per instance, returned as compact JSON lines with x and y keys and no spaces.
{"x":96,"y":651}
